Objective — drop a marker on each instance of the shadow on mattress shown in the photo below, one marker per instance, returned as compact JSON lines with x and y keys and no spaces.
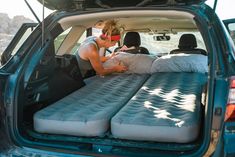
{"x":166,"y":109}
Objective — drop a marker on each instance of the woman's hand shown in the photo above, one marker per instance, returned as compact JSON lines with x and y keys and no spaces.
{"x":105,"y":58}
{"x":112,"y":54}
{"x":123,"y":48}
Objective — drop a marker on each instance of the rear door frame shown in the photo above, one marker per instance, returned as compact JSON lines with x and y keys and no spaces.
{"x":231,"y":32}
{"x":6,"y":55}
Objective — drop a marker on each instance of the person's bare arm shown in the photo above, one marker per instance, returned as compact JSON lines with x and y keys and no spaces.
{"x":124,"y":48}
{"x":105,"y":58}
{"x":94,"y":58}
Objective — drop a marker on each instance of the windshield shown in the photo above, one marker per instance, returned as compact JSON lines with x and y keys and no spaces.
{"x":164,"y":47}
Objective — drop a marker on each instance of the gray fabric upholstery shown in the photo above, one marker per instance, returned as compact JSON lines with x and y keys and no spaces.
{"x":87,"y":111}
{"x":166,"y":109}
{"x":181,"y":63}
{"x":136,"y":63}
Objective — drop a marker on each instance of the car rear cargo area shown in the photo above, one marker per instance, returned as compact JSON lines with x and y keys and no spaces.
{"x":130,"y":110}
{"x":158,"y":111}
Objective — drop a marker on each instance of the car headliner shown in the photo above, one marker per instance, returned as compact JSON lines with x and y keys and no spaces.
{"x":142,"y":20}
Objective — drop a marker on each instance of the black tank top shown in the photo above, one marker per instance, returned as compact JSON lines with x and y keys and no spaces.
{"x":85,"y":65}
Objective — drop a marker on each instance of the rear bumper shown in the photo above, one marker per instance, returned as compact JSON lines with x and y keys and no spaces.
{"x":29,"y":152}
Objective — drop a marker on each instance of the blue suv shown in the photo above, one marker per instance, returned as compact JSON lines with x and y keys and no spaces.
{"x":185,"y":105}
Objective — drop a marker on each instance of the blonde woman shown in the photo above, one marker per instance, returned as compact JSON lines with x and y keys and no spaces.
{"x":88,"y":53}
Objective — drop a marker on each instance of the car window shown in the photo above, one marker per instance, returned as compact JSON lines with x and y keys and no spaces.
{"x":77,"y":45}
{"x":59,"y":39}
{"x":164,"y":47}
{"x":22,"y":40}
{"x":231,"y":28}
{"x":20,"y":37}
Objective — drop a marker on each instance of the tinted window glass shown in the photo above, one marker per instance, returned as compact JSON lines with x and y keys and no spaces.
{"x":231,"y":28}
{"x":77,"y":45}
{"x":165,"y":46}
{"x":59,"y":40}
{"x":16,"y":41}
{"x":22,"y":40}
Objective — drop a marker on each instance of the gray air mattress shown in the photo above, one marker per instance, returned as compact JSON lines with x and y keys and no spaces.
{"x":88,"y":111}
{"x":166,"y":109}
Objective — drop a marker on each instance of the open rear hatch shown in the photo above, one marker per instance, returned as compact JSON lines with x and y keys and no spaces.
{"x":72,"y":5}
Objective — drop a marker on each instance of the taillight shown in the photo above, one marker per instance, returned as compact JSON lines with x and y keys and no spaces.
{"x":230,"y":109}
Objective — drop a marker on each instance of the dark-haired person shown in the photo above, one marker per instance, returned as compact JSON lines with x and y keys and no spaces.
{"x":88,"y":53}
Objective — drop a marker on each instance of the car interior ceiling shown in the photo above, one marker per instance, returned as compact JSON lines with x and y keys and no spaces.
{"x":58,"y":75}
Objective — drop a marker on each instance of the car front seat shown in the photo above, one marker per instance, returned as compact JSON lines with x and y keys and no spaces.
{"x":133,"y":39}
{"x":188,"y":45}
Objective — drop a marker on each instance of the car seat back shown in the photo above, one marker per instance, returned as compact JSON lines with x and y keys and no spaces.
{"x":132,"y":39}
{"x":188,"y":45}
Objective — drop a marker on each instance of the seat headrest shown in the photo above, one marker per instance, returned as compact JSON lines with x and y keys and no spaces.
{"x":187,"y":41}
{"x":132,"y":39}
